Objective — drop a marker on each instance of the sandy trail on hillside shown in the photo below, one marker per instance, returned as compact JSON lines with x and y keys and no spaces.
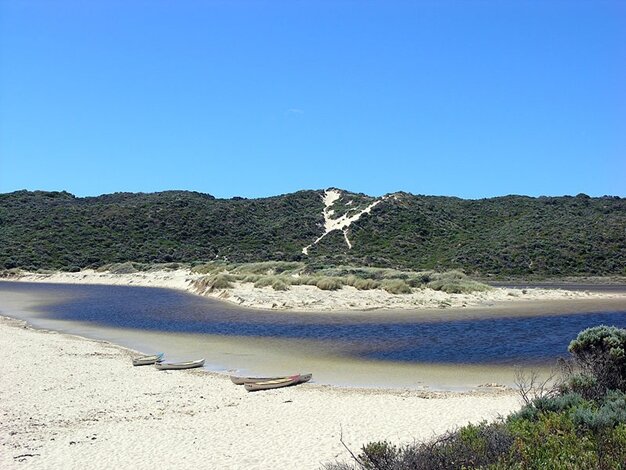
{"x":71,"y":403}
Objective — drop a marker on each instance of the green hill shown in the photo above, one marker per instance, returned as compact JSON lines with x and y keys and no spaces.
{"x":512,"y":235}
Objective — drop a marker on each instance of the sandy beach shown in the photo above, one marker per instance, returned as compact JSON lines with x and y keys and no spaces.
{"x":311,"y":299}
{"x":72,"y":403}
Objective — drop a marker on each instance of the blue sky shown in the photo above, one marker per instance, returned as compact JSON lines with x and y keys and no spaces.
{"x":255,"y":98}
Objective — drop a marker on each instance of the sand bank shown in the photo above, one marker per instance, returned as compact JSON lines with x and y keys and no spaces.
{"x":310,"y":298}
{"x":71,"y":403}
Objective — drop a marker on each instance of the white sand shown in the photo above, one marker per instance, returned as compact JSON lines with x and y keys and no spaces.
{"x":310,"y":298}
{"x":340,"y":223}
{"x":72,"y":403}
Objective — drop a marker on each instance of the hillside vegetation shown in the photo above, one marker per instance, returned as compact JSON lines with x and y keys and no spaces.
{"x":512,"y":235}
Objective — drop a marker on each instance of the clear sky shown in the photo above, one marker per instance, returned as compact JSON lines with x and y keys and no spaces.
{"x":255,"y":98}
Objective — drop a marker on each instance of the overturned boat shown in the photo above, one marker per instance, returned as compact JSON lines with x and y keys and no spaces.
{"x":179,"y":365}
{"x":147,"y":360}
{"x":277,"y":382}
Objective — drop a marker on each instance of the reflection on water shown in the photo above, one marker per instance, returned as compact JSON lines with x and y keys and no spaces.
{"x":380,"y":337}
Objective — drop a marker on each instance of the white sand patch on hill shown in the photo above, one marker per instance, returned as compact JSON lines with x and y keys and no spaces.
{"x":340,"y":223}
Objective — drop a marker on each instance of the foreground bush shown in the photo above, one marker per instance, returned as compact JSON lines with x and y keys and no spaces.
{"x":600,"y":355}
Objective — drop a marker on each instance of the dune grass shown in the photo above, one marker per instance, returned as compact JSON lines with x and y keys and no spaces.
{"x":281,"y":275}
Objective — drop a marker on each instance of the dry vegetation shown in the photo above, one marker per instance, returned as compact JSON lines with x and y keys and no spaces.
{"x":281,"y":275}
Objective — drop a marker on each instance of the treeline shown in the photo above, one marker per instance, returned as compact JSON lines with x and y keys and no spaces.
{"x":512,"y":235}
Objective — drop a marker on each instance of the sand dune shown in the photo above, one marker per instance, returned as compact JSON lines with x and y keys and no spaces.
{"x":310,"y":298}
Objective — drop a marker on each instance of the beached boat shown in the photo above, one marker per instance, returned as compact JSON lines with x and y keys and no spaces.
{"x":239,"y":380}
{"x":147,"y":360}
{"x":179,"y":365}
{"x":277,"y":383}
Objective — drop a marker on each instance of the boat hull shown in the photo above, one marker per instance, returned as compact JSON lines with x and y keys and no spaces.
{"x":179,"y":365}
{"x":238,"y":380}
{"x":147,"y":360}
{"x":277,"y":383}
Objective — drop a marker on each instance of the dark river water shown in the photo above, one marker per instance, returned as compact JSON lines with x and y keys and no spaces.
{"x":503,"y":340}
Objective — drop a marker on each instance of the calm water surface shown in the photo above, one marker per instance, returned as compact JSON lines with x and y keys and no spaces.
{"x":370,"y":336}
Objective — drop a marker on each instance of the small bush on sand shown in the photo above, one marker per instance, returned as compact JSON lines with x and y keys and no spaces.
{"x":395,"y":286}
{"x":269,"y":267}
{"x":329,"y":283}
{"x":304,"y":280}
{"x":264,"y":281}
{"x":124,"y":268}
{"x":279,"y":284}
{"x":457,"y":286}
{"x":210,"y":283}
{"x":209,"y":268}
{"x":366,"y":284}
{"x":251,"y":278}
{"x":221,"y":281}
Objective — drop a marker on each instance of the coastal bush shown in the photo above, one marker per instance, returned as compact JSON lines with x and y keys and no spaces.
{"x":395,"y":286}
{"x":473,"y":446}
{"x":329,"y":283}
{"x":251,"y":278}
{"x":12,"y":272}
{"x":457,"y":286}
{"x":212,"y":282}
{"x":209,"y":268}
{"x":279,"y":284}
{"x":366,"y":284}
{"x":264,"y":281}
{"x":269,"y":267}
{"x":600,"y":355}
{"x":124,"y":268}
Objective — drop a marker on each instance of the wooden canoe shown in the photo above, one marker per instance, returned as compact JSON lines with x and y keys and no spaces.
{"x":246,"y":380}
{"x":277,"y":383}
{"x":238,"y":380}
{"x":147,"y":360}
{"x":179,"y":365}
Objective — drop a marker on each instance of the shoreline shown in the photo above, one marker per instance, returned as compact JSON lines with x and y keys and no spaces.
{"x":92,"y":401}
{"x":311,"y":299}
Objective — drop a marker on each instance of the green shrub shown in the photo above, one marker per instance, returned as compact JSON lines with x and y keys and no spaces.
{"x":123,"y":268}
{"x":279,"y":284}
{"x":366,"y":284}
{"x":551,"y":441}
{"x":268,"y":267}
{"x":456,"y":286}
{"x":222,"y":281}
{"x":329,"y":283}
{"x":610,"y":414}
{"x":264,"y":281}
{"x":376,"y":455}
{"x":209,"y":268}
{"x":251,"y":278}
{"x":395,"y":286}
{"x":600,"y":353}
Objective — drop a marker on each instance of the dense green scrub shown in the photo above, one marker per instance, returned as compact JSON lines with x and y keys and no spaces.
{"x":512,"y":235}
